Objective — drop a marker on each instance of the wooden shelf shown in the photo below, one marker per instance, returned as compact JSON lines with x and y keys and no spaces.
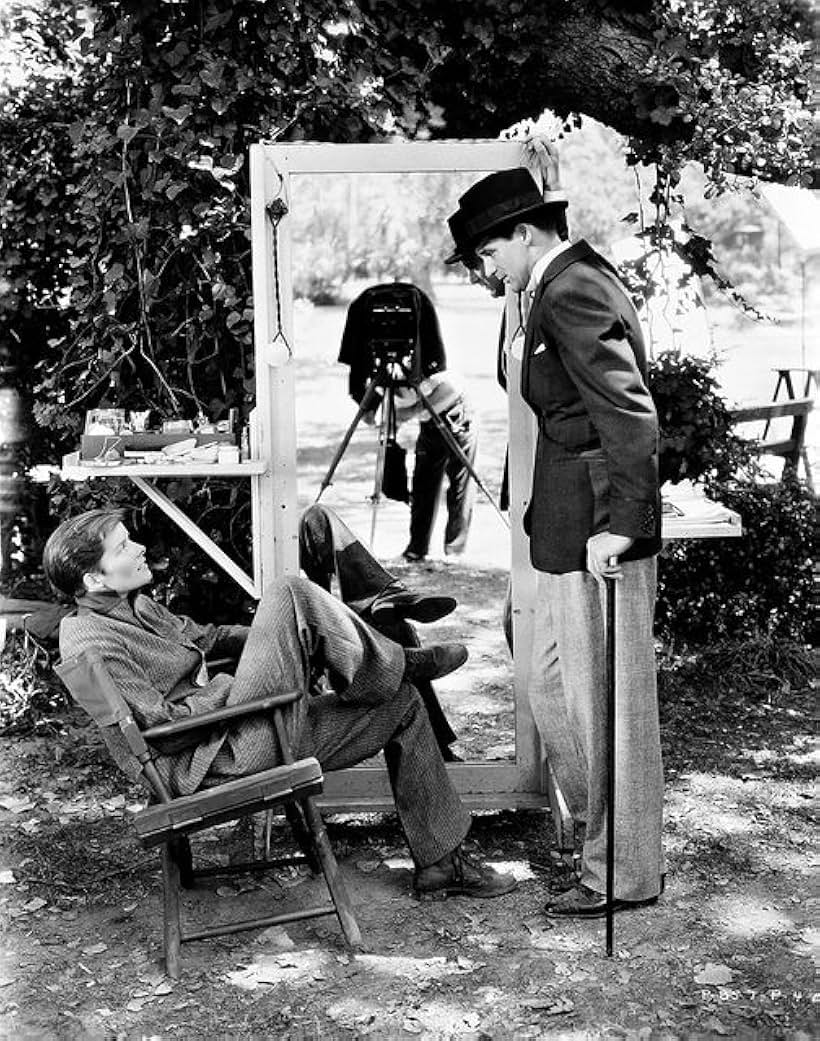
{"x":73,"y":470}
{"x":685,"y":528}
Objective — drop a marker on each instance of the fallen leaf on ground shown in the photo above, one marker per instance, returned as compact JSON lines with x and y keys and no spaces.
{"x":95,"y":948}
{"x":7,"y":878}
{"x":277,"y":938}
{"x":16,"y":805}
{"x":713,"y":974}
{"x":714,"y":1025}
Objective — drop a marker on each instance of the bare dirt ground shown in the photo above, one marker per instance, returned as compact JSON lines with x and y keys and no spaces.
{"x":726,"y":952}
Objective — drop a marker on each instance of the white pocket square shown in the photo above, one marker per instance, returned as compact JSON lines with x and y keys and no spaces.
{"x":540,"y":348}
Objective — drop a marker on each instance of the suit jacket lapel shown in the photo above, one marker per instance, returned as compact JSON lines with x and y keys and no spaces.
{"x":580,"y":250}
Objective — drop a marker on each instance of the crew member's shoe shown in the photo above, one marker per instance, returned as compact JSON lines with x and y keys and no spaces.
{"x":583,"y":902}
{"x":433,"y":662}
{"x":412,"y":556}
{"x":396,"y":602}
{"x":460,"y":875}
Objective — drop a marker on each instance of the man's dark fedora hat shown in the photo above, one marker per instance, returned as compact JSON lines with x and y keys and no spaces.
{"x":495,"y":200}
{"x":463,"y":253}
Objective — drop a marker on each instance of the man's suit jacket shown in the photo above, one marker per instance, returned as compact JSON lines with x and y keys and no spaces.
{"x":584,"y":376}
{"x":156,"y":659}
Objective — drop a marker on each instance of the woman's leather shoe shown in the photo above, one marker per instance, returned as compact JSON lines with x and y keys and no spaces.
{"x":394,"y":604}
{"x":460,"y":875}
{"x":433,"y":662}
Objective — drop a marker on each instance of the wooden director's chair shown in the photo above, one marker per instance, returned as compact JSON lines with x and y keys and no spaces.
{"x":168,"y":820}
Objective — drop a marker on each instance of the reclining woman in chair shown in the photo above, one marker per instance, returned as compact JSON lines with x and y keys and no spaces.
{"x":157,"y":659}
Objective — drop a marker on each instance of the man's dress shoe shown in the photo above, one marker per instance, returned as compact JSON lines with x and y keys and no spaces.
{"x":413,"y":557}
{"x":433,"y":662}
{"x":393,"y":604}
{"x":583,"y":902}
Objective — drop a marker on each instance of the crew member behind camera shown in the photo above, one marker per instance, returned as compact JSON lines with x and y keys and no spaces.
{"x":433,"y":456}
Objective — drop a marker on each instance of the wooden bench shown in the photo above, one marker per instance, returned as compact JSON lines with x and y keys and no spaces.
{"x":791,"y":449}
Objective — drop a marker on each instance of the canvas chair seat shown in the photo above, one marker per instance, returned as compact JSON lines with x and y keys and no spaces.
{"x":169,"y":819}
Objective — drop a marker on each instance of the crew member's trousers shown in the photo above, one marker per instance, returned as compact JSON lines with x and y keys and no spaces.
{"x":434,"y":459}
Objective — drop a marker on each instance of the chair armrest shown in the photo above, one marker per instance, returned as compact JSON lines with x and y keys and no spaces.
{"x":221,"y":715}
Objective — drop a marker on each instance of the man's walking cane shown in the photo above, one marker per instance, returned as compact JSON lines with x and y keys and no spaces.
{"x":610,"y":755}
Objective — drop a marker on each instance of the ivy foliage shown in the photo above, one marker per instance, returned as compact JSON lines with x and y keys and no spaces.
{"x":757,"y":586}
{"x":697,"y":441}
{"x":738,"y":75}
{"x":125,"y":221}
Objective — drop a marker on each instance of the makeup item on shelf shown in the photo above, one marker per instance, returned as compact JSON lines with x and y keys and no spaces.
{"x":228,"y":454}
{"x":139,"y":420}
{"x":176,"y":426}
{"x":104,"y":421}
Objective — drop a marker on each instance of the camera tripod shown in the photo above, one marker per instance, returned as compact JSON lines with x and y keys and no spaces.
{"x":385,"y":381}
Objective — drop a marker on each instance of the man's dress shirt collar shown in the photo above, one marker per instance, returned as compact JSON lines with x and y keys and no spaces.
{"x":542,"y":264}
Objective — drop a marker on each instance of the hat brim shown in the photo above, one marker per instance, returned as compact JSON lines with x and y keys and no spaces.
{"x":458,"y":256}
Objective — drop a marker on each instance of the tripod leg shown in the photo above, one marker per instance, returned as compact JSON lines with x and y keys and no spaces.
{"x":365,"y":406}
{"x":454,"y":446}
{"x":376,"y":498}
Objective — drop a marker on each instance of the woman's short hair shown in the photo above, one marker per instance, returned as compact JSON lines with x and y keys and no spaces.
{"x":75,"y":547}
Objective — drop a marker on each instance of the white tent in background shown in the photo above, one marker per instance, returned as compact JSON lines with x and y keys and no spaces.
{"x":798,"y":210}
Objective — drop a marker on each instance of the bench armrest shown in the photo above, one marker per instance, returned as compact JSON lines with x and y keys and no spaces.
{"x":221,"y":715}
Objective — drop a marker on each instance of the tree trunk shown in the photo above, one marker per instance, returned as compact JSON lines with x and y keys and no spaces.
{"x":493,"y":67}
{"x":587,"y":65}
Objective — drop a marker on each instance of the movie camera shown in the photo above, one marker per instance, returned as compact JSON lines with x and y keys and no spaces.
{"x":392,"y":328}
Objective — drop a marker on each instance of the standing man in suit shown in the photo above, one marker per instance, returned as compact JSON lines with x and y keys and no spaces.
{"x":594,"y":513}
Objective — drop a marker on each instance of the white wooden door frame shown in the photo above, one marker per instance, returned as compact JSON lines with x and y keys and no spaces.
{"x":508,"y":783}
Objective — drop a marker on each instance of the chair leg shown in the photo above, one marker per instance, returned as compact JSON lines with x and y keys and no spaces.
{"x":181,"y":850}
{"x":172,"y":927}
{"x":303,"y":837}
{"x":330,"y":869}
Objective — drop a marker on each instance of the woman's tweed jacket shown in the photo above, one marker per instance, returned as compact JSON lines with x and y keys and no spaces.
{"x":157,"y":661}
